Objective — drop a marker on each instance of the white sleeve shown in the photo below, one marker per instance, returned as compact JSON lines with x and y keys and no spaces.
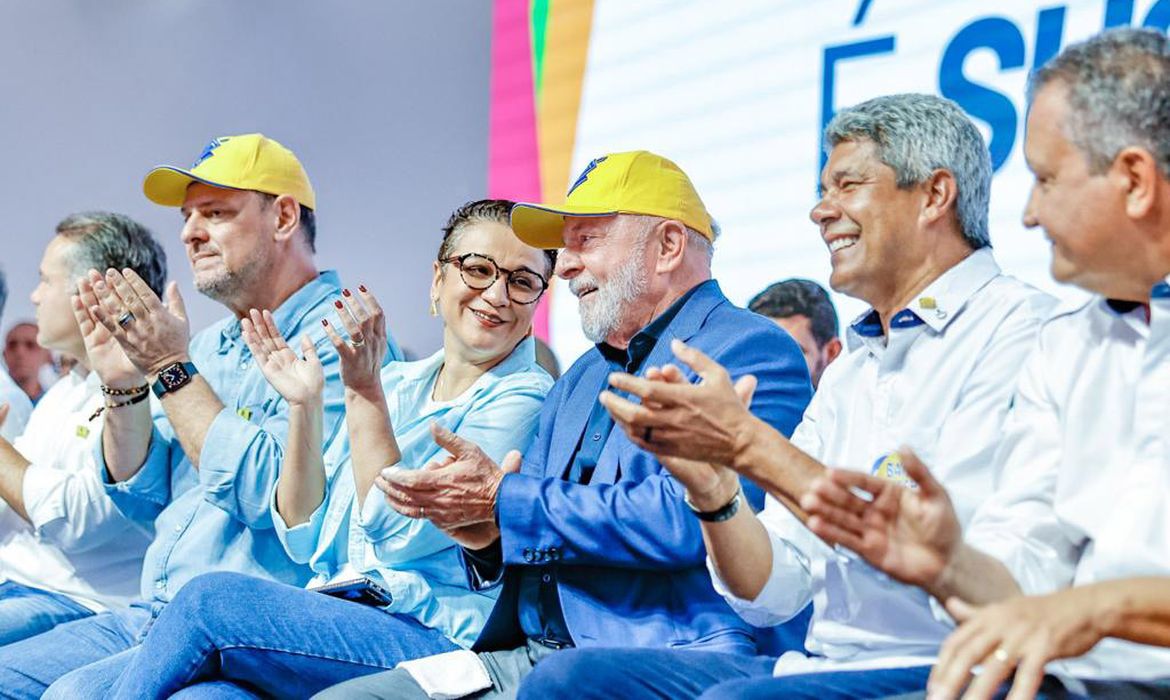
{"x":68,"y":506}
{"x":1018,"y":525}
{"x":789,"y":586}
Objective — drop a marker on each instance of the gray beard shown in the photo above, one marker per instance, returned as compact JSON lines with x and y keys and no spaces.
{"x":605,"y":312}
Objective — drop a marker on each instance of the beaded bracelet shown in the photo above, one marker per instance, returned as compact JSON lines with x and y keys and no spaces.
{"x":114,"y":404}
{"x":133,"y":391}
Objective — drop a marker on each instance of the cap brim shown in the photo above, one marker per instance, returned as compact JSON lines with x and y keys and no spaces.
{"x":167,"y":186}
{"x":544,"y":227}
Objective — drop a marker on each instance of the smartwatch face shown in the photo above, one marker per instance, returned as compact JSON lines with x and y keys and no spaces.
{"x":174,"y":376}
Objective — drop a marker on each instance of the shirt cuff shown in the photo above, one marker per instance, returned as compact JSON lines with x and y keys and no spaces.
{"x":147,"y":492}
{"x":786,"y":593}
{"x":485,"y":567}
{"x":378,"y":520}
{"x":300,"y":541}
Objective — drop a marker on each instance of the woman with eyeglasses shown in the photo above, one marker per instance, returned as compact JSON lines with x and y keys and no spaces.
{"x":397,"y":587}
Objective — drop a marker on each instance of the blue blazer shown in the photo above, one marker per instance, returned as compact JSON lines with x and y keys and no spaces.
{"x":628,"y":553}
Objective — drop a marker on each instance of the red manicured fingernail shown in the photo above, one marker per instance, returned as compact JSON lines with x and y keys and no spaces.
{"x":338,"y":304}
{"x":345,"y":292}
{"x":362,"y":288}
{"x":324,"y":322}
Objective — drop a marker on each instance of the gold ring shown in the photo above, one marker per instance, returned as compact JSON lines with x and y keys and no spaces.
{"x":1001,"y":655}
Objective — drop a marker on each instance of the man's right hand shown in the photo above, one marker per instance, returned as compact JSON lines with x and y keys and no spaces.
{"x":709,"y":421}
{"x":911,"y":534}
{"x":106,"y":356}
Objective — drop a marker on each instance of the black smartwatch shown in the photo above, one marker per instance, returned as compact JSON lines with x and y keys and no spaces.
{"x":173,"y":377}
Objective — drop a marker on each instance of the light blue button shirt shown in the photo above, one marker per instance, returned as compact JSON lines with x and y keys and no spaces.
{"x":217,"y":517}
{"x":416,"y":562}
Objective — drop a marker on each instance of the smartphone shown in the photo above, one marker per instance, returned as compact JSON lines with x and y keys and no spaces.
{"x":364,"y":590}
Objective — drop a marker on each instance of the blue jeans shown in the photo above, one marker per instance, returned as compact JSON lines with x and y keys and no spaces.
{"x":227,"y":629}
{"x":30,"y":666}
{"x":26,"y":611}
{"x":830,"y":685}
{"x":605,"y":673}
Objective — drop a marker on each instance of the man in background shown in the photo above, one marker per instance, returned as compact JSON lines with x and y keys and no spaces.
{"x":803,"y":309}
{"x":15,"y":406}
{"x":25,"y":358}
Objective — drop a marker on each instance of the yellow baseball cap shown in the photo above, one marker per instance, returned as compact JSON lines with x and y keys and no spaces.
{"x":246,"y":162}
{"x":634,"y":182}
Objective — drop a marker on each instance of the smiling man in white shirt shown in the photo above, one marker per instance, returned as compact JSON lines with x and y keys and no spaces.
{"x":66,"y":551}
{"x":1084,"y":499}
{"x":903,"y":212}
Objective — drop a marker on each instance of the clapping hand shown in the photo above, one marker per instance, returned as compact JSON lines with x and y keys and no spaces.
{"x":152,"y":333}
{"x":106,"y":356}
{"x":701,"y":421}
{"x":911,"y":534}
{"x":300,"y":380}
{"x":363,"y":354}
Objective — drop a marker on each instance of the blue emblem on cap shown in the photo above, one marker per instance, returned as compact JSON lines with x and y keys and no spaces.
{"x":585,"y":174}
{"x":208,"y":150}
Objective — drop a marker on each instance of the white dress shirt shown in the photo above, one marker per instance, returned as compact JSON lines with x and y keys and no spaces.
{"x":940,"y":383}
{"x":78,"y":543}
{"x":1085,"y":493}
{"x":19,"y":407}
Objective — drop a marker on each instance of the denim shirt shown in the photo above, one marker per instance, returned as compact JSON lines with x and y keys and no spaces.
{"x":413,"y":559}
{"x":217,"y":517}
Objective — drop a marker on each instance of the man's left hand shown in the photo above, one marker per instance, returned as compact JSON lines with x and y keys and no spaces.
{"x":1017,"y":635}
{"x":454,"y":493}
{"x":153,"y":335}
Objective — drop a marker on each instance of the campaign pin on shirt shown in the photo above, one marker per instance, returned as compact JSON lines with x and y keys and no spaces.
{"x":889,"y":467}
{"x":929,"y":304}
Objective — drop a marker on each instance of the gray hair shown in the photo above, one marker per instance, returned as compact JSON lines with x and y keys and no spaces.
{"x":1118,"y":94}
{"x":104,"y":240}
{"x":917,"y":134}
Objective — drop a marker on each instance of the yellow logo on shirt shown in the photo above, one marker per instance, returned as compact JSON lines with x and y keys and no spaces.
{"x":82,"y":431}
{"x":245,"y":413}
{"x":889,"y":467}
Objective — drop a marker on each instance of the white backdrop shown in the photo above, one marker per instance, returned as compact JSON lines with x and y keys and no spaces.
{"x":733,"y":92}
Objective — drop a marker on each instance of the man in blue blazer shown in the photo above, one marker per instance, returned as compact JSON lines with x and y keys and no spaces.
{"x":590,"y":536}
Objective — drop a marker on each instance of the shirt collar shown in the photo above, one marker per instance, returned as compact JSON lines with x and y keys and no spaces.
{"x":289,"y":314}
{"x":941,"y":301}
{"x":631,"y":359}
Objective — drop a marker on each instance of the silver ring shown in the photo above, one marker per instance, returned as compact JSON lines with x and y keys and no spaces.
{"x":1001,"y":655}
{"x":125,"y":319}
{"x":422,"y":511}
